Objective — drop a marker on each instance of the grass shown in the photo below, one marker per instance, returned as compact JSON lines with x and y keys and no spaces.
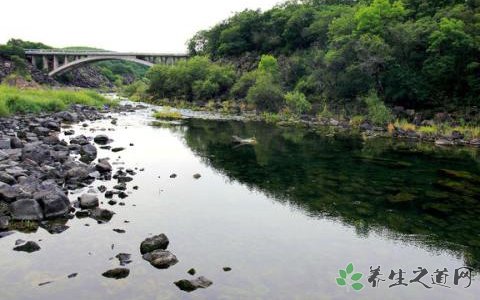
{"x":404,"y":125}
{"x":14,"y":100}
{"x":168,"y":114}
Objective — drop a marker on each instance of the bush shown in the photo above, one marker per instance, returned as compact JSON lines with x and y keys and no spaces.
{"x":297,"y":102}
{"x":168,"y":114}
{"x":378,"y":113}
{"x":195,"y":79}
{"x":241,"y":87}
{"x":266,"y":94}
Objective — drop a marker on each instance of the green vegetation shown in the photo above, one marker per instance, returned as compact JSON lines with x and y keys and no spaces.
{"x":378,"y":113}
{"x":195,"y":79}
{"x":14,"y":100}
{"x":167,"y":114}
{"x":297,"y":102}
{"x":414,"y":53}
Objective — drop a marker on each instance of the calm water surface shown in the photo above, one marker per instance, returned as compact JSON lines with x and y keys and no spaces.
{"x":285,"y":215}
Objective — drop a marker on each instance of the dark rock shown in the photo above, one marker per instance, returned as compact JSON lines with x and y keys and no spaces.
{"x":160,"y":259}
{"x":227,"y":269}
{"x":117,"y":273}
{"x":102,"y":215}
{"x":73,"y":275}
{"x":26,"y":209}
{"x":153,"y":243}
{"x":124,"y":258}
{"x":197,"y":176}
{"x":5,"y":143}
{"x":117,"y":230}
{"x":4,"y":222}
{"x":173,"y":175}
{"x":44,"y":283}
{"x":103,"y":166}
{"x":80,"y":140}
{"x":82,"y":214}
{"x":29,"y":247}
{"x":88,"y":152}
{"x":191,"y":285}
{"x":54,"y":227}
{"x":102,"y":188}
{"x":117,"y":149}
{"x":191,"y":271}
{"x":53,"y":201}
{"x":124,"y":179}
{"x":7,"y":178}
{"x":101,"y":139}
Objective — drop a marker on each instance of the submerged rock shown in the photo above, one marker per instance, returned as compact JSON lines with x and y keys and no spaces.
{"x":29,"y":247}
{"x":124,"y":258}
{"x":191,"y":285}
{"x":102,"y":215}
{"x":154,"y":243}
{"x":117,"y":273}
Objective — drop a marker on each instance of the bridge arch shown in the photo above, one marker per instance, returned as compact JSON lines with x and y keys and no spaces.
{"x":86,"y":60}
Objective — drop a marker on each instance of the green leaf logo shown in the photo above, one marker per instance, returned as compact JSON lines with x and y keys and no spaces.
{"x":351,"y":280}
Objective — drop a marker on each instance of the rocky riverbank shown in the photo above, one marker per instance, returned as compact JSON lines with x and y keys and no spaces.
{"x":38,"y":169}
{"x":441,"y":129}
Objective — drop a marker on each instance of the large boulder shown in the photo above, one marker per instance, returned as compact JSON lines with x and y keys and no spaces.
{"x":36,"y":151}
{"x":26,"y":209}
{"x":154,"y":243}
{"x":53,"y":201}
{"x":101,"y":139}
{"x":103,"y":166}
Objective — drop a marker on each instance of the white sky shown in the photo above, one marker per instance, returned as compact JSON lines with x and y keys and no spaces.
{"x":119,"y":25}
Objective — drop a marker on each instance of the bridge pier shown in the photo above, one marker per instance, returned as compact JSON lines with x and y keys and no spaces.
{"x":55,"y":62}
{"x":45,"y":62}
{"x":65,"y":61}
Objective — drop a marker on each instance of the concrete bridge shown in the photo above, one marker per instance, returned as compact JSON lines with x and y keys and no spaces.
{"x":59,"y":61}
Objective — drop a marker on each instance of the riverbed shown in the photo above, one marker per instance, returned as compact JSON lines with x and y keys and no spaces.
{"x":285,"y":214}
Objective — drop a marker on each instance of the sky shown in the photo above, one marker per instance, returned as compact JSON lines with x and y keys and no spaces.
{"x":161,"y":26}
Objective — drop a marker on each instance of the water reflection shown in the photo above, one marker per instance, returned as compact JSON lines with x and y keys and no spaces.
{"x":416,"y":193}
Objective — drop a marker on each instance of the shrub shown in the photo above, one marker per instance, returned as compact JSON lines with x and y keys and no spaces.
{"x":266,"y":94}
{"x":297,"y":102}
{"x":195,"y":79}
{"x":240,"y":88}
{"x":378,"y":113}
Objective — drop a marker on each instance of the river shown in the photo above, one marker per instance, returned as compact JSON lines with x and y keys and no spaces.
{"x":285,"y":215}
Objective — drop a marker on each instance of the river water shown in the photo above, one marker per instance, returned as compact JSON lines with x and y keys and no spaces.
{"x":285,"y":214}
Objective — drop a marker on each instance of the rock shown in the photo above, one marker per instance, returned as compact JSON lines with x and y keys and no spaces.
{"x":160,"y":259}
{"x":82,"y":214}
{"x":191,"y":285}
{"x":173,"y":175}
{"x":44,"y":283}
{"x":53,"y":201}
{"x":73,"y":275}
{"x":8,"y":193}
{"x":79,"y":140}
{"x":69,"y":132}
{"x":227,"y":269}
{"x":124,"y":258}
{"x":16,"y":143}
{"x":4,"y":222}
{"x":19,"y":242}
{"x":117,"y":230}
{"x":5,"y":143}
{"x":443,"y":142}
{"x":475,"y":142}
{"x":102,"y":188}
{"x":29,"y":247}
{"x":67,"y":116}
{"x":103,"y":166}
{"x":191,"y":271}
{"x":102,"y":215}
{"x":53,"y":227}
{"x":197,"y":176}
{"x":3,"y":155}
{"x":88,"y":152}
{"x":7,"y":178}
{"x":154,"y":243}
{"x":117,"y":273}
{"x":121,"y":179}
{"x":456,"y":135}
{"x":26,"y":209}
{"x":88,"y":201}
{"x":117,"y":149}
{"x":101,"y":139}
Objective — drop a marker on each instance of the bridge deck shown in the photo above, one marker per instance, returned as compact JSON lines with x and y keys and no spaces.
{"x":98,"y":53}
